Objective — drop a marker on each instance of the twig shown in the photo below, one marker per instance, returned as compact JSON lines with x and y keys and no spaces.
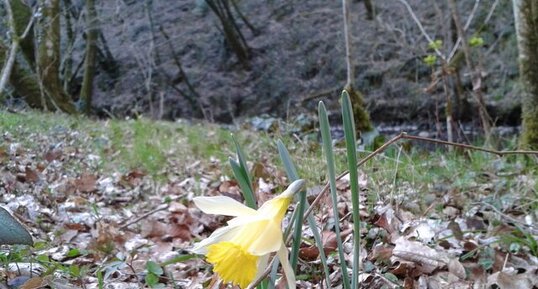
{"x":420,"y":27}
{"x":466,"y":27}
{"x":161,"y":208}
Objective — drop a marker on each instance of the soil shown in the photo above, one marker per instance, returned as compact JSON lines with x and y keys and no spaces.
{"x":296,"y":60}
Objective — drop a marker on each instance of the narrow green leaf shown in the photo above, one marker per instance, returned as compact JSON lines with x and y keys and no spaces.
{"x":298,"y":227}
{"x":244,"y":184}
{"x":241,"y":157}
{"x":351,"y":148}
{"x":100,"y":281}
{"x":329,"y":156}
{"x":291,"y":171}
{"x":298,"y":215}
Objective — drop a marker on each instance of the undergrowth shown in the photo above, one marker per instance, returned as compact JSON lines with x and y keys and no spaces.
{"x":406,"y":174}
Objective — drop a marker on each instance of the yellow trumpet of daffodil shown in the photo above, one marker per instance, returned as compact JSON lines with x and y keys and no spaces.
{"x":240,"y":251}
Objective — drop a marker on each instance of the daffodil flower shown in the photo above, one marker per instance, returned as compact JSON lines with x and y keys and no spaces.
{"x":240,"y":251}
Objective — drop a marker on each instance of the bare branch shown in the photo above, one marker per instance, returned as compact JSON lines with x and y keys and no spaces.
{"x":419,"y":24}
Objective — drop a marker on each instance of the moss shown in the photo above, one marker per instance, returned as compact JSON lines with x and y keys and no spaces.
{"x":362,"y":118}
{"x":529,"y":74}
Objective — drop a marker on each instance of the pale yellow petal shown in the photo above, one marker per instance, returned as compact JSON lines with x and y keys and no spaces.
{"x":219,"y":235}
{"x":263,"y":261}
{"x":269,"y":238}
{"x":277,"y":207}
{"x":221,"y":205}
{"x":286,"y":266}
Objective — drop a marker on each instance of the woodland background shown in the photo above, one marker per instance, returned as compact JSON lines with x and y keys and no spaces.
{"x":172,"y":59}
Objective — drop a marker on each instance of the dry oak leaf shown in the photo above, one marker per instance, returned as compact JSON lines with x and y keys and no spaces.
{"x":413,"y":251}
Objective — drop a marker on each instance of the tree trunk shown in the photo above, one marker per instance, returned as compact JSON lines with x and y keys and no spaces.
{"x":370,"y":9}
{"x":49,"y":56}
{"x":89,"y":61}
{"x":23,"y":82}
{"x":485,"y":119}
{"x":22,"y":15}
{"x":362,"y":119}
{"x":232,"y":33}
{"x":526,"y":21}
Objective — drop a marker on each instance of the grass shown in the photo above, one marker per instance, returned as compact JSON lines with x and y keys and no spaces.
{"x":164,"y":148}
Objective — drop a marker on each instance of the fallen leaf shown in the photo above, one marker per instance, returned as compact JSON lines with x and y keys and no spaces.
{"x":456,"y":268}
{"x":33,"y":283}
{"x":511,"y":280}
{"x":412,"y":251}
{"x":31,"y":175}
{"x":86,"y":183}
{"x":309,"y":253}
{"x":52,"y":155}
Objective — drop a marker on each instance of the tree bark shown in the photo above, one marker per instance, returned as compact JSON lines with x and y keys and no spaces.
{"x":526,"y":21}
{"x":23,"y":82}
{"x":89,"y":61}
{"x":6,"y":71}
{"x":49,"y":57}
{"x":22,"y":15}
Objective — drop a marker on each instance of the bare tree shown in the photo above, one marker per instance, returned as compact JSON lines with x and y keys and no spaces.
{"x":38,"y":82}
{"x":526,"y":21}
{"x":49,"y":58}
{"x":476,"y":74}
{"x":89,"y":60}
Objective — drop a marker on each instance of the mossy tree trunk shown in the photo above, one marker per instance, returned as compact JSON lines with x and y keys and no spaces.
{"x":22,"y":14}
{"x":89,"y":61}
{"x":48,"y":62}
{"x":362,"y":119}
{"x":526,"y":20}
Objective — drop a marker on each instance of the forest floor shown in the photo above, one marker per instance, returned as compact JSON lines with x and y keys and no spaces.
{"x":109,"y":205}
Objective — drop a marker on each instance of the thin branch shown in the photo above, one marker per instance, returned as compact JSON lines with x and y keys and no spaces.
{"x":136,"y":220}
{"x":419,"y":24}
{"x":465,"y":28}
